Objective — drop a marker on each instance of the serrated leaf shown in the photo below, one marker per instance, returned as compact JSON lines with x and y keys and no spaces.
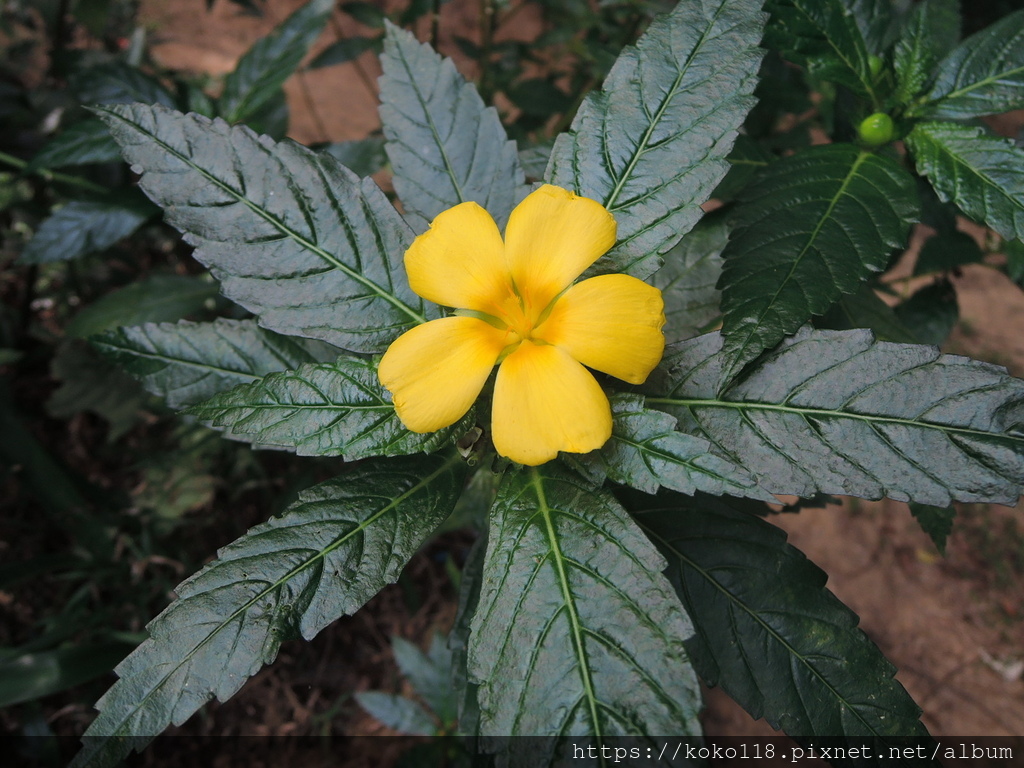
{"x":185,"y":362}
{"x":747,"y":159}
{"x":119,"y":83}
{"x":647,"y":452}
{"x":341,"y":51}
{"x":877,"y":21}
{"x":364,"y":157}
{"x":262,"y":70}
{"x":824,"y":37}
{"x":813,"y":227}
{"x":983,"y":174}
{"x":931,"y":31}
{"x":577,"y":634}
{"x":767,"y":630}
{"x":984,"y":75}
{"x":292,"y":235}
{"x":155,"y":299}
{"x":81,"y":227}
{"x":937,"y":522}
{"x":397,"y":713}
{"x":330,"y":409}
{"x":689,"y":279}
{"x":837,"y":412}
{"x":430,"y":676}
{"x":931,"y":313}
{"x":534,"y":160}
{"x":88,"y":141}
{"x":331,"y":551}
{"x":945,"y":251}
{"x":651,"y":147}
{"x":445,"y":146}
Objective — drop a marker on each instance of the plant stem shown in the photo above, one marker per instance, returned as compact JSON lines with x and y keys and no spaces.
{"x":435,"y":23}
{"x":487,"y":18}
{"x":55,"y":176}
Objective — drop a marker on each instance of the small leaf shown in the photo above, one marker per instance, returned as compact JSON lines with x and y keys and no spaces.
{"x":119,"y":83}
{"x":85,"y":142}
{"x":689,"y":278}
{"x":28,"y":676}
{"x":364,"y":157}
{"x":155,"y":299}
{"x":429,"y":676}
{"x":331,"y":409}
{"x":813,"y":227}
{"x":292,"y":235}
{"x":82,"y":227}
{"x":534,"y":159}
{"x":331,"y":551}
{"x":931,"y":313}
{"x":367,"y":14}
{"x":864,"y":309}
{"x":937,"y":522}
{"x":344,"y":50}
{"x":747,"y":159}
{"x":186,"y":363}
{"x":445,"y":146}
{"x":945,"y":251}
{"x":646,"y":452}
{"x":984,"y":75}
{"x":767,"y":630}
{"x":539,"y":97}
{"x":983,"y":174}
{"x":824,"y":37}
{"x":576,"y":632}
{"x":397,"y":713}
{"x":837,"y":412}
{"x":262,"y":70}
{"x":931,"y":31}
{"x":651,"y":147}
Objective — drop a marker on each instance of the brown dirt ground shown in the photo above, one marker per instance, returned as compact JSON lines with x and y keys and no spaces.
{"x":953,"y":626}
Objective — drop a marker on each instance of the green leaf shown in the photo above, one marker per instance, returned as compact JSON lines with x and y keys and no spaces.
{"x":813,"y":227}
{"x":864,"y":309}
{"x":651,"y":147}
{"x":341,"y":51}
{"x":397,"y":713}
{"x":292,"y":235}
{"x":824,"y":37}
{"x":577,"y":633}
{"x":931,"y":313}
{"x":539,"y":97}
{"x":367,"y":14}
{"x":931,"y":31}
{"x":33,"y":675}
{"x":82,"y":227}
{"x":331,"y":551}
{"x":445,"y":146}
{"x":1014,"y":252}
{"x":160,"y":298}
{"x":837,"y":412}
{"x":332,"y":409}
{"x":86,"y":142}
{"x":767,"y":630}
{"x":429,"y":675}
{"x":877,"y":21}
{"x":689,"y":278}
{"x":983,"y":174}
{"x":534,"y":160}
{"x":186,"y":363}
{"x":261,"y":72}
{"x":937,"y":522}
{"x":945,"y":251}
{"x":647,"y":452}
{"x":747,"y":159}
{"x":984,"y":75}
{"x":119,"y":83}
{"x":364,"y":157}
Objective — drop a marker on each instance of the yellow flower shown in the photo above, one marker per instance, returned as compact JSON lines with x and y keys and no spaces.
{"x":516,"y":305}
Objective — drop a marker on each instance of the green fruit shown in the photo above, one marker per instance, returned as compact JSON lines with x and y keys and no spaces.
{"x":876,"y":130}
{"x":875,"y":65}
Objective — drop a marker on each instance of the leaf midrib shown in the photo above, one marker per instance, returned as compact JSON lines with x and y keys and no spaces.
{"x":274,"y":221}
{"x":452,"y":460}
{"x":825,"y":413}
{"x":570,"y":604}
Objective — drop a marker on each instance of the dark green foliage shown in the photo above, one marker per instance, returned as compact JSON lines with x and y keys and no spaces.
{"x":930,"y":313}
{"x":82,"y":227}
{"x":932,"y":30}
{"x":688,"y":281}
{"x":937,"y":522}
{"x":88,"y":141}
{"x":563,"y":557}
{"x":946,"y":251}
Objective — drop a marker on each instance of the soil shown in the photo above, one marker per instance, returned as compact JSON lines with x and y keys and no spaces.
{"x":952,"y":626}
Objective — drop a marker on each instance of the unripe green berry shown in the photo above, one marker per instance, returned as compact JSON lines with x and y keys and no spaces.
{"x":876,"y":130}
{"x":875,"y":65}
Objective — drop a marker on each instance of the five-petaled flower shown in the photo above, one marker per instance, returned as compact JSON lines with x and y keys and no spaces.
{"x":517,"y":306}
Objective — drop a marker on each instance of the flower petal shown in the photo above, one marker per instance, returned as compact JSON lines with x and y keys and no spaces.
{"x":551,"y":237}
{"x":436,"y":370}
{"x":546,"y":402}
{"x":611,"y":323}
{"x":460,"y":261}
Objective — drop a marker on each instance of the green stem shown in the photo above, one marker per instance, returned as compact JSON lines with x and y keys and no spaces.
{"x":487,"y":18}
{"x":61,"y":178}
